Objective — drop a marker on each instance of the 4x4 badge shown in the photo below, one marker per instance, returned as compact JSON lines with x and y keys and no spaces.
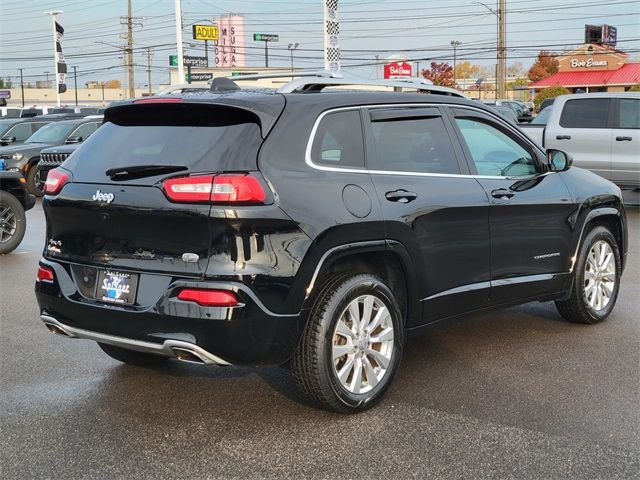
{"x":103,"y":197}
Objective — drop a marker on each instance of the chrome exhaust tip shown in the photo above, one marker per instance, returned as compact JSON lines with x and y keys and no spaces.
{"x":186,"y":355}
{"x":56,"y":329}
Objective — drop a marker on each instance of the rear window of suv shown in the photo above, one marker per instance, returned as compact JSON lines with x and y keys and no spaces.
{"x":202,"y":138}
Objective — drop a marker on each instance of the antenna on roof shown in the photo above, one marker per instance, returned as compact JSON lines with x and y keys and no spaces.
{"x":223,"y":84}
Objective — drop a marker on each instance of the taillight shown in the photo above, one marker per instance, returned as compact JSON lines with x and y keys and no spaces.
{"x":56,"y":179}
{"x":45,"y":274}
{"x":215,"y":189}
{"x":189,"y":189}
{"x":208,"y":298}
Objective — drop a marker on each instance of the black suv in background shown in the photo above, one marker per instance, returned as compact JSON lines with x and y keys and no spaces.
{"x":316,"y":230}
{"x":24,"y":158}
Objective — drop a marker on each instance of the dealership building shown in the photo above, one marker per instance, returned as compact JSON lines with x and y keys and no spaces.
{"x":593,"y":67}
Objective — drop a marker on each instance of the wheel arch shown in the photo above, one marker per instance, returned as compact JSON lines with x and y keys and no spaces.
{"x":611,"y":217}
{"x":388,"y":260}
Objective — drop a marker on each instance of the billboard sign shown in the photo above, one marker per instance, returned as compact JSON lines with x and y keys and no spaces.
{"x":205,"y":32}
{"x":397,"y":70}
{"x":609,"y":35}
{"x":230,"y":48}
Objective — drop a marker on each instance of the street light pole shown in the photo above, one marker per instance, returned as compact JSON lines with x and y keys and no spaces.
{"x":292,"y":47}
{"x":179,"y":41}
{"x":53,"y":14}
{"x":455,"y":44}
{"x":75,"y":82}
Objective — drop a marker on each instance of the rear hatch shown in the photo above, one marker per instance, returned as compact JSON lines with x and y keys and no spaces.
{"x":114,"y":211}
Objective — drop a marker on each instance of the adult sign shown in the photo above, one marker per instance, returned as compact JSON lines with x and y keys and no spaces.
{"x":397,"y":70}
{"x":205,"y":32}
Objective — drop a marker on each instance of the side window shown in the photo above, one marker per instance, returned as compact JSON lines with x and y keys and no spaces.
{"x":495,"y":153}
{"x":419,"y":145}
{"x":586,"y":113}
{"x":338,"y":141}
{"x":85,"y":130}
{"x":22,"y":131}
{"x":629,"y":113}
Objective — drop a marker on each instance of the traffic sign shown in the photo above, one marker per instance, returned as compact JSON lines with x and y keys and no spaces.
{"x":265,"y":37}
{"x":205,"y":32}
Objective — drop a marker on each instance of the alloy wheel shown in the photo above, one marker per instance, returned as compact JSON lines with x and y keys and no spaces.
{"x":599,"y":275}
{"x":363,"y":341}
{"x":8,"y":223}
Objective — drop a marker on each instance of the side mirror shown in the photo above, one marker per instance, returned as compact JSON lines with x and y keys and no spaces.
{"x":74,"y":140}
{"x":7,"y":140}
{"x":558,"y":161}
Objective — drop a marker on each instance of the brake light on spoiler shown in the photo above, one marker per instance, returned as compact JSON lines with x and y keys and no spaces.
{"x":236,"y":188}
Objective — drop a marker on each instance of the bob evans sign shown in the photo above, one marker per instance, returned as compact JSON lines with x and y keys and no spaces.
{"x":588,"y":63}
{"x":397,"y":70}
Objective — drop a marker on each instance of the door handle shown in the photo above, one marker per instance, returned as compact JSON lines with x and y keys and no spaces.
{"x":563,"y":137}
{"x":623,"y":139}
{"x":502,"y":193}
{"x":401,"y":196}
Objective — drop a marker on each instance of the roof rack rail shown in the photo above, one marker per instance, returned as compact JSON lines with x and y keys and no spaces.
{"x":257,"y":76}
{"x":303,"y":85}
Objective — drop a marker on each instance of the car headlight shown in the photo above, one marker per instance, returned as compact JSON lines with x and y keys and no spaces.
{"x":17,"y":156}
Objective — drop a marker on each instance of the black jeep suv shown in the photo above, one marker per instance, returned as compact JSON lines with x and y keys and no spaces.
{"x":316,"y":230}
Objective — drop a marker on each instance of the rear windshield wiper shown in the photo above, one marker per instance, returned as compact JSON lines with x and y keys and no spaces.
{"x":131,"y":172}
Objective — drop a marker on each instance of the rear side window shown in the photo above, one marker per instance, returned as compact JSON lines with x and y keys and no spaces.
{"x":419,"y":145}
{"x":629,"y":113}
{"x":586,"y":113}
{"x":22,"y":131}
{"x":202,"y":138}
{"x":338,"y":141}
{"x":84,"y":131}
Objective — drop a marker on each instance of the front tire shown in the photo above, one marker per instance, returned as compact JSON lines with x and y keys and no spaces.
{"x":35,"y":185}
{"x":131,"y":357}
{"x":352,"y":344}
{"x":13,"y":222}
{"x":596,"y":279}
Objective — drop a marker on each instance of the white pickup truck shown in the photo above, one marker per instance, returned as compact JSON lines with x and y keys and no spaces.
{"x":601,"y":131}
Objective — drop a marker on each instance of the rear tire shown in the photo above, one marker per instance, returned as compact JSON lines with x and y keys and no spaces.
{"x":131,"y":357}
{"x":34,"y":183}
{"x":13,"y":222}
{"x":596,"y":279}
{"x":352,"y":344}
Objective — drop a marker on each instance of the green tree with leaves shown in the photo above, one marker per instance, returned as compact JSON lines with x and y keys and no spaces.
{"x":549,"y":92}
{"x":6,"y":83}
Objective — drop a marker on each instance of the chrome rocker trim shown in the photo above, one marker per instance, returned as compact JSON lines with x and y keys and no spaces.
{"x":170,"y":348}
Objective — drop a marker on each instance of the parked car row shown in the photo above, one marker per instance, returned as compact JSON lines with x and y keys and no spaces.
{"x":22,"y":152}
{"x":35,"y":110}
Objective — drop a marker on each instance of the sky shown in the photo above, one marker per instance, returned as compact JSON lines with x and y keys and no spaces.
{"x":422,"y":30}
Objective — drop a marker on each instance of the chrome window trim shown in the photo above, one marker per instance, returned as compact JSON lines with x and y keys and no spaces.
{"x":309,"y":161}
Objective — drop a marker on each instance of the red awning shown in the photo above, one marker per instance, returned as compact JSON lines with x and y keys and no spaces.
{"x":628,"y":74}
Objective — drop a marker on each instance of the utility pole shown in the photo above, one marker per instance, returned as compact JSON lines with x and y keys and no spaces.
{"x":149,"y":68}
{"x":75,"y":82}
{"x":418,"y":69}
{"x":129,"y":50}
{"x":455,"y":44}
{"x":22,"y":86}
{"x":502,"y":50}
{"x":377,"y":67}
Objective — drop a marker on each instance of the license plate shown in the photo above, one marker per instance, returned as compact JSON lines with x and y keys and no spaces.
{"x":117,"y":287}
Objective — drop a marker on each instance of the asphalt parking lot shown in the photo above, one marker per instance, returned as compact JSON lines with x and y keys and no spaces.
{"x":513,"y":394}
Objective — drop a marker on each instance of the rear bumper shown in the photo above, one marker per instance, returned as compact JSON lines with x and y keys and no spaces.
{"x":243,"y":335}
